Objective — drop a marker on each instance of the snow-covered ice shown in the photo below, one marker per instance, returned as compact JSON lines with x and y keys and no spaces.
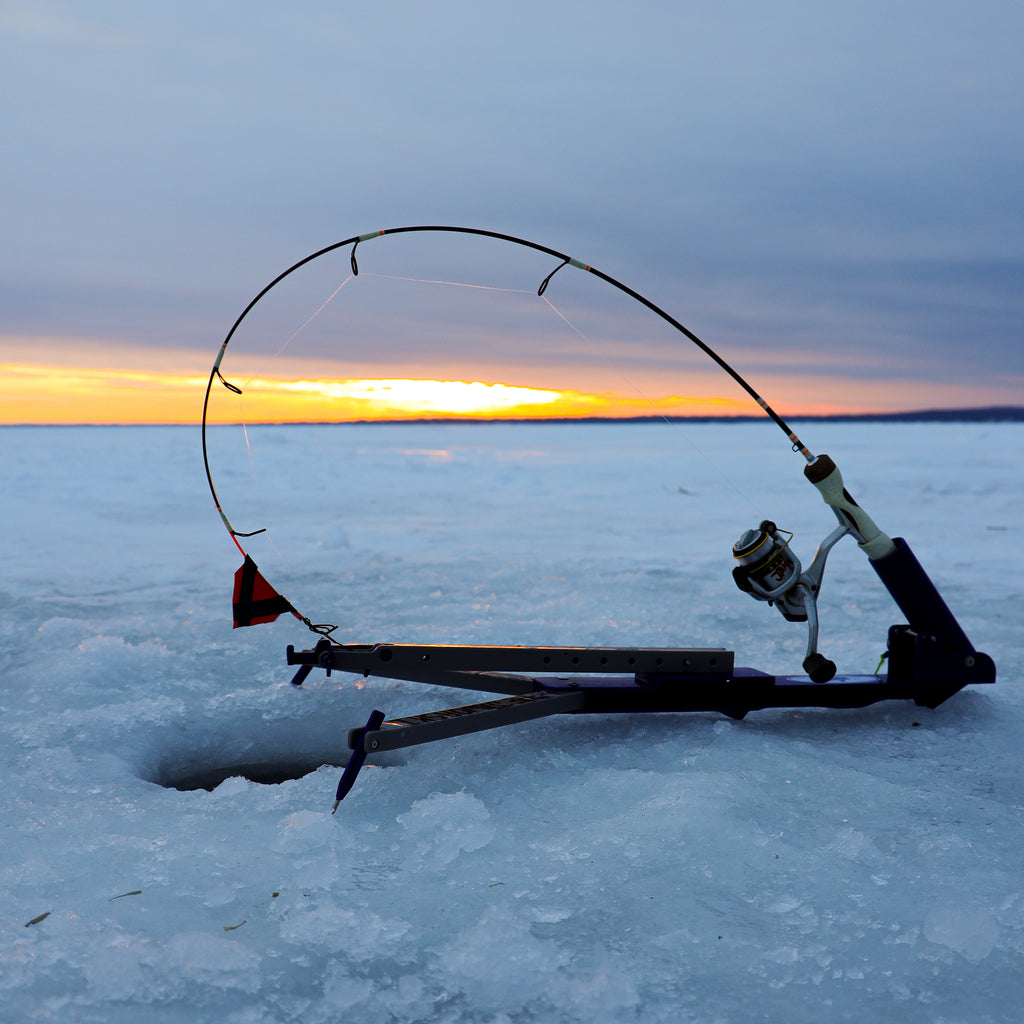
{"x":799,"y":865}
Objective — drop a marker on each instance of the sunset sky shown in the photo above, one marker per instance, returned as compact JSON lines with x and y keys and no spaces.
{"x":829,"y":195}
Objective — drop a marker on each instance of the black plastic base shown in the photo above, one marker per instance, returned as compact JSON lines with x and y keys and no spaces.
{"x":633,"y":681}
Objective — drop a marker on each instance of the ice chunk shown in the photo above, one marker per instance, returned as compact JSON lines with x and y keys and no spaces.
{"x":970,"y":931}
{"x":231,"y":786}
{"x":443,"y":825}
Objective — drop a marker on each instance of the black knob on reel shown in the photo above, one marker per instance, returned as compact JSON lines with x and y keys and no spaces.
{"x":819,"y":668}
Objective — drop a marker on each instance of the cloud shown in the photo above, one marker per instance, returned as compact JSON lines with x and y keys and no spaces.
{"x":828,"y":179}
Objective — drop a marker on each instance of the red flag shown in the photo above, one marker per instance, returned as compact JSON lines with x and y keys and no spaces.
{"x":255,"y":600}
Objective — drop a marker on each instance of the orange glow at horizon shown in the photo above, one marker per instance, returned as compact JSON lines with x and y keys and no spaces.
{"x":64,"y":395}
{"x":75,"y":395}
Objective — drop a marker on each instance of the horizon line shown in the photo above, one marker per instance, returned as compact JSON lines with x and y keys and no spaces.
{"x":968,"y":414}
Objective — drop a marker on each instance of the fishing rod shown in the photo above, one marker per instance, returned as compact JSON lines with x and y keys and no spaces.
{"x":929,"y":657}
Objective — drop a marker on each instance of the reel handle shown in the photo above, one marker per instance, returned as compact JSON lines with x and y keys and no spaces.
{"x":819,"y":668}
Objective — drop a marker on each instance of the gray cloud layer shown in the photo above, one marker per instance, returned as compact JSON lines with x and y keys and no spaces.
{"x":831,"y":178}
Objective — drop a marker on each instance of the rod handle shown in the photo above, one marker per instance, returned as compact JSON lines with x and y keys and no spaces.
{"x":825,"y":475}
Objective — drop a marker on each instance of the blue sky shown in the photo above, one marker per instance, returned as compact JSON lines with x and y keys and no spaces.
{"x":837,"y":186}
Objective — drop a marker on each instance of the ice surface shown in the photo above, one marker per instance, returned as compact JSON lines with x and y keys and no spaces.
{"x":798,"y":866}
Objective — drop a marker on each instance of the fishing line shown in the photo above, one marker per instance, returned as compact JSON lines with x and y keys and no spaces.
{"x":323,"y":305}
{"x":454,"y":284}
{"x":298,"y":330}
{"x":655,"y":411}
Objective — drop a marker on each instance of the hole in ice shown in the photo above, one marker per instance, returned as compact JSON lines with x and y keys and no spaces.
{"x":268,"y":744}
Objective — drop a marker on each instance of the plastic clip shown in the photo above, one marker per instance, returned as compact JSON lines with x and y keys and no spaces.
{"x":322,"y":646}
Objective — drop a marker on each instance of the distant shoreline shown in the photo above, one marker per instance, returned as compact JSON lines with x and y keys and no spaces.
{"x":985,"y":414}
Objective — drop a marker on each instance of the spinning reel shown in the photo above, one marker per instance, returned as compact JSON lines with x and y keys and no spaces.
{"x":769,"y":571}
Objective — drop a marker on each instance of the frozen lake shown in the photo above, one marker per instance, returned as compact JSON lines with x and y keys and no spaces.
{"x":799,"y":865}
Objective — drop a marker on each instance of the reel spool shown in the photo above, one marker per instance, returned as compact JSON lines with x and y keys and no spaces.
{"x":769,"y":570}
